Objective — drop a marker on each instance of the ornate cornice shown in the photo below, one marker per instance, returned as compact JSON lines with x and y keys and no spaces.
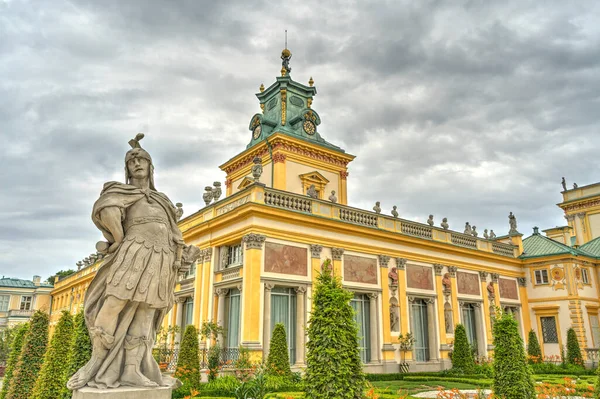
{"x":337,"y":253}
{"x":246,"y":160}
{"x":280,"y":143}
{"x":580,"y":205}
{"x":383,"y":260}
{"x":254,"y":241}
{"x":315,"y":251}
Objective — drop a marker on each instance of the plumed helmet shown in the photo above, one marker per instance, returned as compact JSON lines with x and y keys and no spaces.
{"x":138,"y":152}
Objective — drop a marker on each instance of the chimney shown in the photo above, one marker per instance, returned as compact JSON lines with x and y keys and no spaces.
{"x":37,"y":280}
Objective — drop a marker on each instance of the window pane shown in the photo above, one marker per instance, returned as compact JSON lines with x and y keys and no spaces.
{"x":4,"y":299}
{"x":545,"y":276}
{"x":283,"y":310}
{"x":360,"y":304}
{"x":419,"y":317}
{"x":233,"y":322}
{"x":595,"y":330}
{"x":549,"y":330}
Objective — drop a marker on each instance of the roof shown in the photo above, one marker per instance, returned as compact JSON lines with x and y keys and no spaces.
{"x":591,"y":247}
{"x":538,"y":245}
{"x":18,"y":283}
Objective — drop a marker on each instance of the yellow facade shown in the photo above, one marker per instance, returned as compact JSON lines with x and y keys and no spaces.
{"x":19,"y":299}
{"x":264,"y":243}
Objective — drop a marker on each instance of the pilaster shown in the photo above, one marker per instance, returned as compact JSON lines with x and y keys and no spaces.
{"x":315,"y":261}
{"x":374,"y":334}
{"x":486,"y":306}
{"x":455,"y":307}
{"x":495,"y":277}
{"x":267,"y":320}
{"x":402,"y":304}
{"x":300,"y":335}
{"x":199,"y":292}
{"x":251,"y":292}
{"x":205,"y":282}
{"x":343,"y":194}
{"x":439,"y":292}
{"x":385,"y":304}
{"x":279,"y":171}
{"x":525,"y":316}
{"x":337,"y":254}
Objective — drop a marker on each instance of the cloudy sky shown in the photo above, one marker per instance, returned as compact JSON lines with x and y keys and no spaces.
{"x":466,"y":111}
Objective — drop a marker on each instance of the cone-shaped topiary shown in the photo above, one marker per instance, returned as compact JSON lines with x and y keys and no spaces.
{"x":13,"y":357}
{"x":573,"y":350}
{"x":533,"y":348}
{"x":278,"y":362}
{"x":53,"y":375}
{"x":334,"y":369}
{"x":81,"y":349}
{"x":462,"y":356}
{"x":512,"y":374}
{"x":31,"y":358}
{"x":188,"y":362}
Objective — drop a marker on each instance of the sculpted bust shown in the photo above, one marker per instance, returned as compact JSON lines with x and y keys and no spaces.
{"x":133,"y":288}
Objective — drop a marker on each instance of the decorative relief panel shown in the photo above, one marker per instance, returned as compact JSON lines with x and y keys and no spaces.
{"x":285,"y":259}
{"x":467,"y":283}
{"x":360,"y":270}
{"x":508,"y":288}
{"x":419,"y":277}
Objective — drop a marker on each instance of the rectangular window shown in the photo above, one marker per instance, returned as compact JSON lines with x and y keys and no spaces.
{"x":188,"y":313}
{"x":4,"y":300}
{"x":541,"y":276}
{"x":420,"y":330}
{"x":360,"y":304}
{"x":25,"y":303}
{"x":283,"y":310}
{"x":549,"y":332}
{"x":585,"y":277}
{"x":232,"y":307}
{"x":468,"y":316}
{"x":231,"y":256}
{"x":595,"y":330}
{"x":192,"y":271}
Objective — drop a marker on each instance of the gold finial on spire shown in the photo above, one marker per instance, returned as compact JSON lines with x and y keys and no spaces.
{"x":283,"y":71}
{"x":309,"y":102}
{"x":261,"y":88}
{"x":311,"y":82}
{"x":262,"y":107}
{"x":286,"y":55}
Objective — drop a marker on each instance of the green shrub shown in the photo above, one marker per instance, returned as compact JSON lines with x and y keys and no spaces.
{"x":214,"y":361}
{"x":31,"y":358}
{"x":334,"y":369}
{"x":81,"y":349}
{"x":13,"y":356}
{"x":512,"y":375}
{"x":533,"y":348}
{"x":227,"y":384}
{"x":188,"y":362}
{"x":278,"y":362}
{"x":462,"y":356}
{"x":573,"y":350}
{"x":53,"y":375}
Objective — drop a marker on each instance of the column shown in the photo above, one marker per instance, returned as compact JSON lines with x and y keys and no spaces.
{"x":387,"y":348}
{"x":403,"y":304}
{"x":455,"y":307}
{"x":486,"y":295}
{"x":179,"y":318}
{"x":315,"y":261}
{"x":481,"y":346}
{"x":337,"y":254}
{"x":440,"y":295}
{"x":251,"y":323}
{"x":373,"y":327}
{"x":279,"y":171}
{"x":206,"y":289}
{"x":300,"y":312}
{"x":433,"y":346}
{"x":343,"y":188}
{"x":221,"y":293}
{"x":495,"y":277}
{"x":525,"y":316}
{"x":198,"y":292}
{"x":267,"y":320}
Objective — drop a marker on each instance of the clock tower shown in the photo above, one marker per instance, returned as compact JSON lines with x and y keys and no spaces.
{"x":286,"y":135}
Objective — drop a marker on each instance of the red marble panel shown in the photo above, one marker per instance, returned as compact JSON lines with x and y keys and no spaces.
{"x":468,"y":283}
{"x":285,"y":259}
{"x":508,"y":288}
{"x":419,"y":277}
{"x":360,"y":270}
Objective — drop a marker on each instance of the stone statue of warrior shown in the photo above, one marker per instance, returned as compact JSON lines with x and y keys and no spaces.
{"x":133,"y":288}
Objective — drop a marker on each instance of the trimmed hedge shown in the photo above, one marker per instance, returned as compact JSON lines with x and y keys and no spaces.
{"x":278,"y":361}
{"x":81,"y":350}
{"x":13,"y":357}
{"x":512,"y":375}
{"x":462,"y":356}
{"x":533,"y":346}
{"x":573,"y":350}
{"x":52,"y":379}
{"x":334,"y":369}
{"x":188,"y":362}
{"x":31,"y":358}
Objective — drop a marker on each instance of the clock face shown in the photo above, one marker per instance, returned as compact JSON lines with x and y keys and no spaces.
{"x":309,"y":127}
{"x":256,"y":132}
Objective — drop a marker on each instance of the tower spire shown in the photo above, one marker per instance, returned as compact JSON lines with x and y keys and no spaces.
{"x":286,"y":55}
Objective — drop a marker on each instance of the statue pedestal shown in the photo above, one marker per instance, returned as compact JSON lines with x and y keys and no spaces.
{"x":123,"y":393}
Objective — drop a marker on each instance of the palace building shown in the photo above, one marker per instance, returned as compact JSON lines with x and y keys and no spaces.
{"x":286,"y":211}
{"x":20,"y":298}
